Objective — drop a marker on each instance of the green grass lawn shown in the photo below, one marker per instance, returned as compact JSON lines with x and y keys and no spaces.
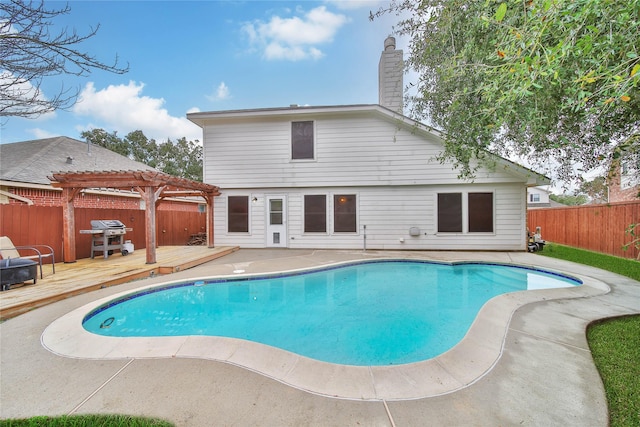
{"x":614,"y":343}
{"x":86,"y":421}
{"x":623,"y":266}
{"x":615,"y":346}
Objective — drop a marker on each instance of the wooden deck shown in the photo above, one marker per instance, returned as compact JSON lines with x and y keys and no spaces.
{"x":88,"y":274}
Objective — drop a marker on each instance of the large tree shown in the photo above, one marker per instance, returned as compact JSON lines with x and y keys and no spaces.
{"x":31,"y":52}
{"x":550,"y":79}
{"x":181,"y":158}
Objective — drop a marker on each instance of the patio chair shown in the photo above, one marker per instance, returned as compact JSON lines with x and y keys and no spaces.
{"x":38,"y":252}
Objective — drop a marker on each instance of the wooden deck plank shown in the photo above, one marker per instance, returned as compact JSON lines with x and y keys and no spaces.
{"x":88,"y":274}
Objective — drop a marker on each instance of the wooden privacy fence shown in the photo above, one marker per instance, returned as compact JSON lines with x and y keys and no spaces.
{"x":29,"y":225}
{"x":599,"y":228}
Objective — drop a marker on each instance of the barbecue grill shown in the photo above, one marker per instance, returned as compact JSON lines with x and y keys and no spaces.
{"x":108,"y":235}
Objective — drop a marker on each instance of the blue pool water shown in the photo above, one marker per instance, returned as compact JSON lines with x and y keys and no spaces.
{"x":369,"y":313}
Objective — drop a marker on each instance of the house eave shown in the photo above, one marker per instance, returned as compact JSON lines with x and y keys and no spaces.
{"x":202,"y":118}
{"x":531,"y":178}
{"x":32,"y":185}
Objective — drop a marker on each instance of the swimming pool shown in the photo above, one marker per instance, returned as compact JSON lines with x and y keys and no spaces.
{"x":369,"y":313}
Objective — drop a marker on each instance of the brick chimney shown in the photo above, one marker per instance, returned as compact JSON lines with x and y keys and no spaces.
{"x":390,"y":72}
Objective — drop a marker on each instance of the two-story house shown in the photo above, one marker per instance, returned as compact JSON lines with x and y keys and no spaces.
{"x":354,"y":176}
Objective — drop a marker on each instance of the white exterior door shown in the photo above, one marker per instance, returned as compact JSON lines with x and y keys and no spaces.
{"x":276,"y":221}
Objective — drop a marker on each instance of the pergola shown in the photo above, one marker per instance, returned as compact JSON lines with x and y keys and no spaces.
{"x":153,"y":187}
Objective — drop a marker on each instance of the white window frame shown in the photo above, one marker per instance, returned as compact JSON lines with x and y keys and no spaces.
{"x":327,"y":211}
{"x":315,"y":145}
{"x":249,"y":203}
{"x":465,"y":213}
{"x":332,"y":213}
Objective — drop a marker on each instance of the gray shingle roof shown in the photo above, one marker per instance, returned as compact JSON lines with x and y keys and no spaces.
{"x":33,"y":161}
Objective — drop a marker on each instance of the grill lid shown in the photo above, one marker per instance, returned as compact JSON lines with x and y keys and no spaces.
{"x":106,"y":224}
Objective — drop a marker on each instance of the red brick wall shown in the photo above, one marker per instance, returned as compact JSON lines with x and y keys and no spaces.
{"x":51,"y":198}
{"x":617,"y":194}
{"x":39,"y":197}
{"x":83,"y":200}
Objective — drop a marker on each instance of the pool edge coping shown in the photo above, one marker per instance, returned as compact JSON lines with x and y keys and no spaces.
{"x":463,"y":365}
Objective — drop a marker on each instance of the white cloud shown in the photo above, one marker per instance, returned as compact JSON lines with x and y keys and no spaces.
{"x":17,"y":87}
{"x":372,"y":5}
{"x":295,"y":38}
{"x":124,"y":109}
{"x":220,"y":93}
{"x":41,"y":133}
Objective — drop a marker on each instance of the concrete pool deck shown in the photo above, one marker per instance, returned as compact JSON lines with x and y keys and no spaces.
{"x":527,"y":361}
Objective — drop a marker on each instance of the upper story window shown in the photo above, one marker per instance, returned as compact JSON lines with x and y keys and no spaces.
{"x":533,"y":197}
{"x":302,"y":144}
{"x":630,"y":172}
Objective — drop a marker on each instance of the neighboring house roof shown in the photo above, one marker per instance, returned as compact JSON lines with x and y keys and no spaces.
{"x":203,"y":119}
{"x":550,"y":204}
{"x":34,"y":161}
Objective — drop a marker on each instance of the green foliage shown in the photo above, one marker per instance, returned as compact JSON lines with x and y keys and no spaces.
{"x":615,"y":346}
{"x":569,"y":199}
{"x":110,"y":141}
{"x":596,"y":189}
{"x":535,"y":79}
{"x":633,"y":231}
{"x":180,"y":158}
{"x":86,"y":421}
{"x":141,"y":149}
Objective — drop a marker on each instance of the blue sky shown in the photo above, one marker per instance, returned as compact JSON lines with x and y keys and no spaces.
{"x":187,"y":56}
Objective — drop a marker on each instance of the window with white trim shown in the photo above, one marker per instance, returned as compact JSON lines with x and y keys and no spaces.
{"x":344,"y":213}
{"x":238,"y":214}
{"x":449,"y":212}
{"x":315,"y":213}
{"x":480,"y":212}
{"x":302,"y":141}
{"x":472,"y":214}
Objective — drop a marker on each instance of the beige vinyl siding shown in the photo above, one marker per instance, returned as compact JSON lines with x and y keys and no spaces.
{"x":388,"y":213}
{"x":392,"y":169}
{"x":359,"y":151}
